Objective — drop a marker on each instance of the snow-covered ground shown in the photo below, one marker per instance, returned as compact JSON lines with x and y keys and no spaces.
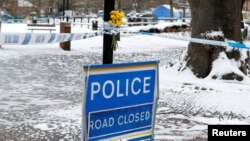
{"x":41,"y":89}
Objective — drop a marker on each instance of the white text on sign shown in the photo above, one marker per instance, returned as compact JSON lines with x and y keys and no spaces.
{"x":121,"y":120}
{"x":115,"y":87}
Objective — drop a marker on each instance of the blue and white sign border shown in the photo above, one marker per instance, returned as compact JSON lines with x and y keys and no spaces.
{"x":117,"y":68}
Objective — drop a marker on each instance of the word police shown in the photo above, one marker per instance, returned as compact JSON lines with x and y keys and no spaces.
{"x":121,"y":88}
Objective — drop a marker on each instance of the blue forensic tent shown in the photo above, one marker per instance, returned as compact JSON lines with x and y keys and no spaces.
{"x":163,"y":12}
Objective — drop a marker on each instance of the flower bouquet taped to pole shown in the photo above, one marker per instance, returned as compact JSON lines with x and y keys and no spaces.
{"x":115,"y":22}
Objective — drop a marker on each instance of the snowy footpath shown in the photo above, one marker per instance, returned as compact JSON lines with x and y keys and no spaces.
{"x":41,"y":89}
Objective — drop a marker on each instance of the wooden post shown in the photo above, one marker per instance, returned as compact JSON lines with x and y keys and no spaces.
{"x":109,"y":5}
{"x":65,"y":27}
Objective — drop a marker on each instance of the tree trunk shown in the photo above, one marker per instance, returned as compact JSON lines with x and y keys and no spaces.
{"x":208,"y":16}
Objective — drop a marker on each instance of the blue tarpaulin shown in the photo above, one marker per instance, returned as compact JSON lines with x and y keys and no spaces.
{"x":163,"y":12}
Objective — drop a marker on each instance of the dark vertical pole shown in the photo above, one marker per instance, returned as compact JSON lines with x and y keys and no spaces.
{"x":184,"y":12}
{"x":171,"y":9}
{"x":0,"y":25}
{"x":74,"y":21}
{"x":63,"y":9}
{"x":67,"y":8}
{"x":88,"y":22}
{"x":81,"y":22}
{"x":109,"y":5}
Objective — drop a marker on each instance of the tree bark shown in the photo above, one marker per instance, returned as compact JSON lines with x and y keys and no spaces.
{"x":209,"y":16}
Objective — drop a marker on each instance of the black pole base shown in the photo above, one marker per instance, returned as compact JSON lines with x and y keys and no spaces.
{"x":107,"y":50}
{"x":109,"y":5}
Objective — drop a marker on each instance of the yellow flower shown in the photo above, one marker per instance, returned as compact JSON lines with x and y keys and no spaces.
{"x":113,"y":12}
{"x":122,"y":15}
{"x":112,"y":17}
{"x":119,"y":23}
{"x":110,"y":22}
{"x":116,"y":17}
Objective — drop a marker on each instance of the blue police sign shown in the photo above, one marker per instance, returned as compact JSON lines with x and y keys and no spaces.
{"x":120,"y":101}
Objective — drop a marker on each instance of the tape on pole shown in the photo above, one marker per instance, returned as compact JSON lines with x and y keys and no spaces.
{"x":42,"y":38}
{"x":201,"y":41}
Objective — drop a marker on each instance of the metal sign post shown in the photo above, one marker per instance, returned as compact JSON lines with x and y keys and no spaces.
{"x":1,"y":13}
{"x":120,"y":101}
{"x":63,"y":8}
{"x":67,"y":8}
{"x":109,"y":5}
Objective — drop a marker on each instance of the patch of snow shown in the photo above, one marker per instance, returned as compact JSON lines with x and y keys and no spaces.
{"x":208,"y":94}
{"x":160,"y":26}
{"x":45,"y":126}
{"x":223,"y":65}
{"x":70,"y":112}
{"x":213,"y":34}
